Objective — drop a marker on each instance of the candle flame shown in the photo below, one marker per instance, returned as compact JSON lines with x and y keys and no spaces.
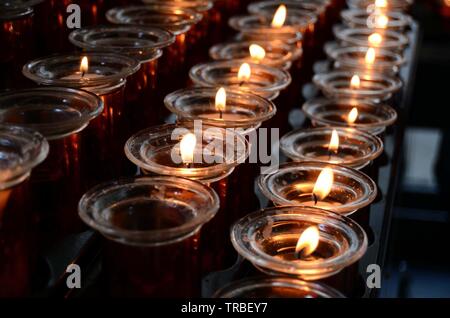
{"x":308,"y":241}
{"x":187,"y":147}
{"x":279,"y":17}
{"x":257,"y":52}
{"x":370,"y":56}
{"x":355,"y":82}
{"x":352,"y":115}
{"x":375,"y":39}
{"x":334,"y":141}
{"x":381,"y":3}
{"x":244,"y":72}
{"x":84,"y":65}
{"x":381,"y":21}
{"x":221,"y":99}
{"x":323,"y":185}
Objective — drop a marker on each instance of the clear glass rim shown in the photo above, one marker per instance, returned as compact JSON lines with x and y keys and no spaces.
{"x":197,"y":5}
{"x":242,"y":234}
{"x":396,"y":19}
{"x":310,"y":106}
{"x":118,"y":15}
{"x":344,"y":209}
{"x":133,"y":151}
{"x":205,"y":92}
{"x":82,"y":38}
{"x":315,"y":6}
{"x":240,"y":288}
{"x":375,"y":143}
{"x":89,"y":209}
{"x":94,"y":107}
{"x":393,"y":4}
{"x":392,"y":84}
{"x":242,"y":24}
{"x":340,"y":56}
{"x":398,"y":42}
{"x":269,"y":91}
{"x":31,"y":146}
{"x":34,"y":70}
{"x":221,"y":50}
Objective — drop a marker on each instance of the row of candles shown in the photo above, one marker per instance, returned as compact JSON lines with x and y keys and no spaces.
{"x":166,"y":229}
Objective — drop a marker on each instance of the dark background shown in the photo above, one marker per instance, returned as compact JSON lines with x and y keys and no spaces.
{"x":418,"y":262}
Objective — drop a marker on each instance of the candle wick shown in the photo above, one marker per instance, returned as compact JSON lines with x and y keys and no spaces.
{"x":82,"y":73}
{"x":314,"y":198}
{"x":299,"y":254}
{"x":220,"y":114}
{"x":241,"y":83}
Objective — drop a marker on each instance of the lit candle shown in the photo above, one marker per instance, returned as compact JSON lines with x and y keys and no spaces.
{"x":257,"y":53}
{"x":307,"y":242}
{"x":355,"y":82}
{"x":244,"y":73}
{"x":279,"y":17}
{"x":187,"y":147}
{"x":322,"y":188}
{"x":83,"y":72}
{"x":375,"y":39}
{"x":221,"y":101}
{"x":352,"y":116}
{"x":370,"y":57}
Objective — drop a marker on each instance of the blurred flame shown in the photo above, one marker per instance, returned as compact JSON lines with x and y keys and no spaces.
{"x":375,"y":39}
{"x":257,"y":52}
{"x":84,"y":65}
{"x":244,"y":72}
{"x":352,"y":115}
{"x":323,"y":185}
{"x":334,"y":141}
{"x":355,"y":82}
{"x":187,"y":147}
{"x":221,"y":99}
{"x":370,"y":56}
{"x":381,"y":21}
{"x":279,"y":17}
{"x":308,"y":241}
{"x":381,"y":3}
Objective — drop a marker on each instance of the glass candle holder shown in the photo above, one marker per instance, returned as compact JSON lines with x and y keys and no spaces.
{"x":354,"y":149}
{"x":369,"y":5}
{"x":242,"y":110}
{"x":372,"y":118}
{"x":151,"y":226}
{"x":277,"y":54}
{"x":268,"y":239}
{"x":293,"y":184}
{"x":264,"y":80}
{"x":179,"y":22}
{"x":17,"y":38}
{"x":61,"y":115}
{"x":374,"y":87}
{"x":395,"y":21}
{"x":305,"y":20}
{"x":152,"y":150}
{"x":354,"y":58}
{"x":276,"y":287}
{"x":144,"y":43}
{"x":21,"y":150}
{"x":106,"y":77}
{"x":390,"y":40}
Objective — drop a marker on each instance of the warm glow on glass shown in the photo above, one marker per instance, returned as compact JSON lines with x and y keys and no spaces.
{"x":323,"y":185}
{"x":279,"y":17}
{"x":308,"y":241}
{"x":187,"y":147}
{"x":257,"y":52}
{"x":381,"y":3}
{"x":221,"y":99}
{"x":334,"y":142}
{"x":447,"y":3}
{"x":381,"y":21}
{"x":352,"y":115}
{"x":84,"y":65}
{"x":375,"y":39}
{"x":370,"y":56}
{"x":355,"y":82}
{"x":244,"y":72}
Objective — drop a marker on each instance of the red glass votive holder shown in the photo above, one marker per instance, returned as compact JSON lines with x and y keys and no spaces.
{"x":106,"y":76}
{"x":17,"y":38}
{"x":152,"y":151}
{"x":144,"y":43}
{"x":61,"y":115}
{"x":152,"y":229}
{"x":21,"y":150}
